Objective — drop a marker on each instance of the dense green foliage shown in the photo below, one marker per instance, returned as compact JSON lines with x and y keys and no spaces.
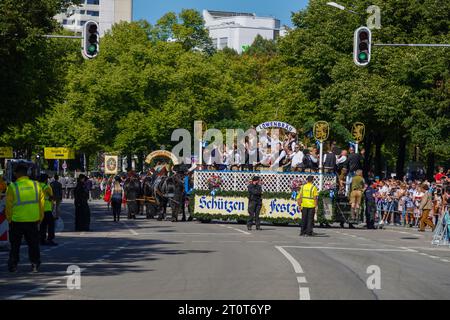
{"x":141,"y":87}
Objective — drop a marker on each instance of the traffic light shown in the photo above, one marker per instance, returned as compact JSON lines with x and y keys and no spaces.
{"x":91,"y":40}
{"x":362,"y":46}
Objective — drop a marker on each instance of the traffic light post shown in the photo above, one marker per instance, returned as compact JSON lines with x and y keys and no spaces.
{"x":90,"y":39}
{"x":362,"y":46}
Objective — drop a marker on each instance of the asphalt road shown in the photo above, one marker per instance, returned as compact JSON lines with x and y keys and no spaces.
{"x":149,"y":259}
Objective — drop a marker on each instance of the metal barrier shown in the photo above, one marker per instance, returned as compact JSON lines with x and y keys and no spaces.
{"x":272,"y":181}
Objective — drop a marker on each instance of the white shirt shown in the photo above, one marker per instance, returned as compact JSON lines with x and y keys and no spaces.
{"x":281,"y":156}
{"x":341,"y":159}
{"x":297,"y":158}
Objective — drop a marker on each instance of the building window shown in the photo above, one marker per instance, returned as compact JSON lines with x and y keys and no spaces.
{"x":223,"y":43}
{"x":92,"y":13}
{"x":64,"y":21}
{"x":214,"y":42}
{"x":92,"y":1}
{"x":82,"y":23}
{"x":82,"y":11}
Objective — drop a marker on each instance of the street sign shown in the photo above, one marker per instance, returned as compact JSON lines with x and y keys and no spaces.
{"x":6,"y":152}
{"x":321,"y":130}
{"x":59,"y":153}
{"x":358,"y":131}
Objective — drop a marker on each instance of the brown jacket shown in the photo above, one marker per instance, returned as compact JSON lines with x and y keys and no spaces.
{"x":427,"y":202}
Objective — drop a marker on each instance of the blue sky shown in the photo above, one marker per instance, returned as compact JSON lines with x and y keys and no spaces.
{"x":152,"y":10}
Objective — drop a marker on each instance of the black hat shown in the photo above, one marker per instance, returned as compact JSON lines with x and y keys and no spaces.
{"x":256,"y":178}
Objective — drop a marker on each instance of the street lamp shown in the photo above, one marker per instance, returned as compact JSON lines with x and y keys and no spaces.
{"x":341,"y":7}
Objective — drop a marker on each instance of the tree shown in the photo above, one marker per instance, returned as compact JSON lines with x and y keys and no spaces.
{"x":188,"y":29}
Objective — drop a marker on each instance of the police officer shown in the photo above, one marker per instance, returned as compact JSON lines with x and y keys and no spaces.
{"x":254,"y":202}
{"x":48,"y":223}
{"x":24,"y":211}
{"x":307,"y":201}
{"x":371,"y":206}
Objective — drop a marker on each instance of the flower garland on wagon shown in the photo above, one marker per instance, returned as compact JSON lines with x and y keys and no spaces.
{"x":214,"y":184}
{"x":296,"y":184}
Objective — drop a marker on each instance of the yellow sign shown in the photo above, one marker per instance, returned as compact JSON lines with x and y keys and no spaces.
{"x":321,"y":130}
{"x":59,"y":153}
{"x":271,"y":208}
{"x":6,"y":152}
{"x":358,"y":131}
{"x":163,"y":154}
{"x":111,"y":164}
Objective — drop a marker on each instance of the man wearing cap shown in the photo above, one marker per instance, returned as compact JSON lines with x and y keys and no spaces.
{"x":307,"y":200}
{"x":254,"y":202}
{"x":24,"y":211}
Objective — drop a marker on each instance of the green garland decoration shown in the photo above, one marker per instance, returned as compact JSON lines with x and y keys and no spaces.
{"x":204,"y":217}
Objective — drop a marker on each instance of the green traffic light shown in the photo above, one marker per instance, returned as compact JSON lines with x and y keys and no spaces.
{"x":92,"y":49}
{"x":362,"y":56}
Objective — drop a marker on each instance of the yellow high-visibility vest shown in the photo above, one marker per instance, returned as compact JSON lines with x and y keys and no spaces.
{"x":26,"y":200}
{"x":48,"y":206}
{"x":308,"y":192}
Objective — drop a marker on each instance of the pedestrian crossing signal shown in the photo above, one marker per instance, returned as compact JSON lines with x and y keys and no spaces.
{"x":91,"y":40}
{"x":362,"y":44}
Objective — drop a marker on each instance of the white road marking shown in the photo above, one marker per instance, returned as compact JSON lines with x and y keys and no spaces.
{"x":304,"y":293}
{"x":295,"y":264}
{"x":190,"y":233}
{"x":236,"y":229}
{"x":203,"y":241}
{"x":15,"y":297}
{"x":434,"y":257}
{"x":350,"y":249}
{"x":129,"y":229}
{"x":408,"y":249}
{"x":301,"y":280}
{"x":444,"y":260}
{"x":257,"y":241}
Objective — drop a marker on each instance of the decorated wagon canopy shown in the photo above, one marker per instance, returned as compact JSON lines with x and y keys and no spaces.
{"x":276,"y":124}
{"x":162,"y":154}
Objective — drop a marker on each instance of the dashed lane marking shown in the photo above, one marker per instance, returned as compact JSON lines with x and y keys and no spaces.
{"x":301,"y":280}
{"x":303,"y":292}
{"x":295,"y":264}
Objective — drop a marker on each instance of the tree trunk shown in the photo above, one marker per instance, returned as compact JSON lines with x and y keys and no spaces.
{"x":430,"y":166}
{"x":129,"y":162}
{"x":140,"y":162}
{"x":378,"y":163}
{"x":367,"y":155}
{"x":400,"y":165}
{"x":87,"y":163}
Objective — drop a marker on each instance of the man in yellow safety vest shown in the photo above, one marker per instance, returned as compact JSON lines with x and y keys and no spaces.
{"x":48,"y":223}
{"x":24,"y":211}
{"x":307,"y":201}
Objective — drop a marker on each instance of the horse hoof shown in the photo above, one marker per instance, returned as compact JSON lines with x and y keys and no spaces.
{"x":190,"y":219}
{"x":184,"y":219}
